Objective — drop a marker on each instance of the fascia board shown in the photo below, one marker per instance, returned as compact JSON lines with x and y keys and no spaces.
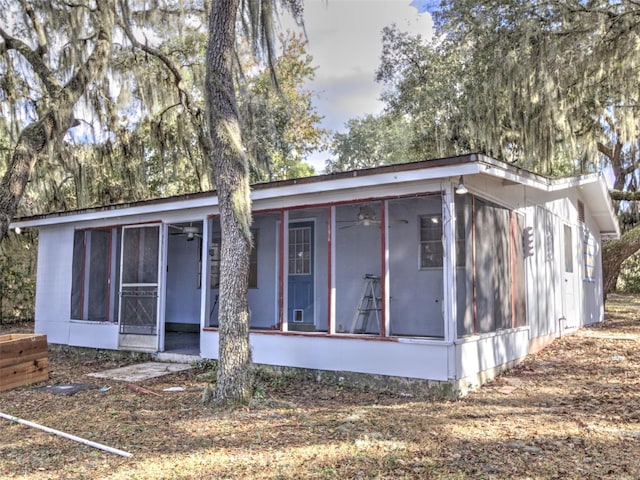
{"x":119,"y":211}
{"x":356,"y":182}
{"x":261,"y":195}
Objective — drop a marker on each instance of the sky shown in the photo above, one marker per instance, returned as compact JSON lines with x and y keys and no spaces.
{"x":346,"y":43}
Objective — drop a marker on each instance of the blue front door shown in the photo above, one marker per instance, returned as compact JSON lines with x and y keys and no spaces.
{"x":301,"y":275}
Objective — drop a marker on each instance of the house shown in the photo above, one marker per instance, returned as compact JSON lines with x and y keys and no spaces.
{"x":447,"y":270}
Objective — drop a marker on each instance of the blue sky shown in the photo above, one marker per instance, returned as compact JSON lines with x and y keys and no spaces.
{"x":345,"y":42}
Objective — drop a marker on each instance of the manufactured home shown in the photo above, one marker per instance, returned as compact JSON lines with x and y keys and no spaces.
{"x":446,"y":270}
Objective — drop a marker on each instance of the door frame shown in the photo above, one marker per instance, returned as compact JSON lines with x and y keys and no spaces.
{"x":290,"y":221}
{"x":143,"y":342}
{"x":204,"y":273}
{"x":570,"y":309}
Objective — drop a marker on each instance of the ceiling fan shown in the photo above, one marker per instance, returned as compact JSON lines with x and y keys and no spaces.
{"x":367,"y":218}
{"x":189,"y":231}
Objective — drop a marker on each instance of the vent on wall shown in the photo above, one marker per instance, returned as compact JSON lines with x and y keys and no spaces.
{"x":580,"y":211}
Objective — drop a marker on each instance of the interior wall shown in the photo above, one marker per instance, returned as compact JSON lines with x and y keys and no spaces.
{"x":263,"y":300}
{"x":183,"y":278}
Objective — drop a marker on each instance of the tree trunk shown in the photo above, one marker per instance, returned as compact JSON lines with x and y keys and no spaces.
{"x":231,"y":172}
{"x":614,"y":253}
{"x":55,"y":122}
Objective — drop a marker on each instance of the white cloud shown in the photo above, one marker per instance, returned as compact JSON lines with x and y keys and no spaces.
{"x":346,"y":43}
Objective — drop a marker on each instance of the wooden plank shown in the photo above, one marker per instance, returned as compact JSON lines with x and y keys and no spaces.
{"x":20,"y":382}
{"x":21,"y":346}
{"x":24,"y":373}
{"x":9,"y":337}
{"x":7,"y":362}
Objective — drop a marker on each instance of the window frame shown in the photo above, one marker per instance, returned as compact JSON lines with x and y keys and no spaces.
{"x":438,"y":264}
{"x":81,"y":287}
{"x":306,"y":261}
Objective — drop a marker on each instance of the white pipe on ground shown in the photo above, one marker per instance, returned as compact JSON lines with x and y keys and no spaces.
{"x":66,"y":435}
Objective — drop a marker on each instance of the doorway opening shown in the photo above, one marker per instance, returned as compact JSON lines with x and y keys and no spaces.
{"x":183,"y":287}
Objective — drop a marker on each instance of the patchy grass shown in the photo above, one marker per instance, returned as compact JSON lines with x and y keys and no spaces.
{"x":574,"y":414}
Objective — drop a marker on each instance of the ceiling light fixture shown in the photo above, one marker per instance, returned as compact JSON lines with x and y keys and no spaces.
{"x":461,"y":189}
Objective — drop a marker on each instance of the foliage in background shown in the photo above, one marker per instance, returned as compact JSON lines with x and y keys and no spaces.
{"x":17,"y":278}
{"x":546,"y":86}
{"x":629,"y":278}
{"x":371,"y":141}
{"x":139,"y":131}
{"x":280,"y":124}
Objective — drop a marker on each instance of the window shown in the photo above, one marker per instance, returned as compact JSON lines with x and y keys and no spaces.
{"x":300,"y":251}
{"x":568,"y":249}
{"x":93,"y":275}
{"x":588,"y":256}
{"x":214,"y":256}
{"x":431,"y":241}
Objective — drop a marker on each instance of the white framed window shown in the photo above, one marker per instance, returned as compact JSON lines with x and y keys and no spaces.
{"x":430,"y":241}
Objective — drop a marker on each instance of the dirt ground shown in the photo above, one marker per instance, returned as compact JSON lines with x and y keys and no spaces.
{"x":571,"y":411}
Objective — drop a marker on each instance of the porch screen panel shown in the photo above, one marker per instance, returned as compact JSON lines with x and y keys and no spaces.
{"x":138,"y":313}
{"x":416,"y":287}
{"x":114,"y":298}
{"x":518,"y":274}
{"x":77,"y":276}
{"x":464,"y":265}
{"x":485,"y":223}
{"x":90,"y":283}
{"x":98,"y":291}
{"x":358,"y":257}
{"x":493,"y":259}
{"x":502,"y":268}
{"x":140,"y":262}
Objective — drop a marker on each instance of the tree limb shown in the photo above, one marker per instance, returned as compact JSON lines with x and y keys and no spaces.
{"x":177,"y":76}
{"x":628,"y":196}
{"x":36,"y":61}
{"x":43,"y":47}
{"x":56,"y":121}
{"x":614,"y":253}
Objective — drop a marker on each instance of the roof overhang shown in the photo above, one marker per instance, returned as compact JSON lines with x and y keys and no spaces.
{"x":592,"y":187}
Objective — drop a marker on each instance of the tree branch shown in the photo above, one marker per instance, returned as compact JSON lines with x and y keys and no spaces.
{"x":34,"y":58}
{"x":620,"y":195}
{"x":56,"y":121}
{"x":606,"y":151}
{"x":177,"y":76}
{"x":43,"y":47}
